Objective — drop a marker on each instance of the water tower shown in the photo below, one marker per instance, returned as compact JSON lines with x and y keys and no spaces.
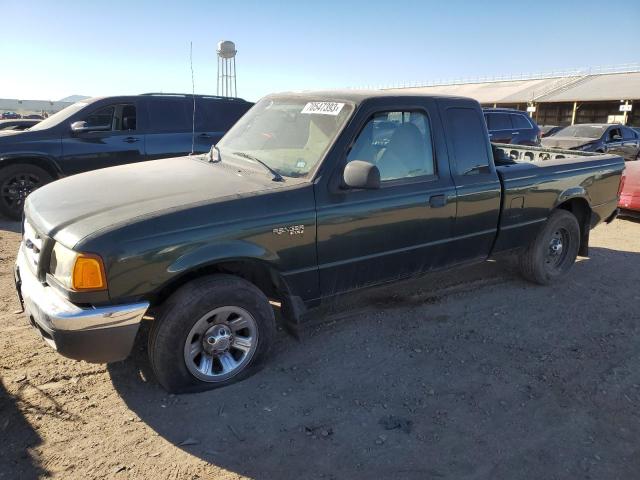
{"x":227,"y":69}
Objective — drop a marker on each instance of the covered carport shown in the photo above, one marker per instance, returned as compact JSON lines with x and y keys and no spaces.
{"x":606,"y":95}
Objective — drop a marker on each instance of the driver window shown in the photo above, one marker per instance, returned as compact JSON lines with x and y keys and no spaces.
{"x":114,"y":117}
{"x":614,"y":132}
{"x":398,"y":143}
{"x":102,"y":118}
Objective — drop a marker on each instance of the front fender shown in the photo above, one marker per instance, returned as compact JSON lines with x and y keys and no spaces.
{"x":211,"y":254}
{"x":46,"y":161}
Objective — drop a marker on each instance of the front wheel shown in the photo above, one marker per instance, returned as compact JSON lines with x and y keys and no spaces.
{"x":214,"y":331}
{"x":16,"y":182}
{"x":553,"y":251}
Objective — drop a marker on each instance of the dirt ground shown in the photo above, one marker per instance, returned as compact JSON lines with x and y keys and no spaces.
{"x":466,"y":375}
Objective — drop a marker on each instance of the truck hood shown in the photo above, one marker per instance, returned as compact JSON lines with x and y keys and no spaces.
{"x":566,"y":142}
{"x":75,"y":207}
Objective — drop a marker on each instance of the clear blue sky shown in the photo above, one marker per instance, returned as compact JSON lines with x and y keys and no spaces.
{"x":49,"y":50}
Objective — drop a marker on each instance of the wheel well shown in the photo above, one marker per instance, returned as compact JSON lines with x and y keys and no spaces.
{"x":263,"y":276}
{"x":47,"y":165}
{"x":580,"y":208}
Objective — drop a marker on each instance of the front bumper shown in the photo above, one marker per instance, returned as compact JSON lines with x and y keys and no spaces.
{"x":95,"y":334}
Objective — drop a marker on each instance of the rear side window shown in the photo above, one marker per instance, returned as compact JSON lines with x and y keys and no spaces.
{"x":170,"y":115}
{"x":519,"y":121}
{"x":466,"y":133}
{"x":219,"y":116}
{"x":628,"y":134}
{"x":499,"y":121}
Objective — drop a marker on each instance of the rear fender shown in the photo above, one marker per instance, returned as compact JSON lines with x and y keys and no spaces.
{"x":576,"y":200}
{"x":571,"y":193}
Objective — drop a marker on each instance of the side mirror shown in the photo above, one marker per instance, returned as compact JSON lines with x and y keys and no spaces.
{"x":80,"y":127}
{"x":361,"y":174}
{"x":616,"y":138}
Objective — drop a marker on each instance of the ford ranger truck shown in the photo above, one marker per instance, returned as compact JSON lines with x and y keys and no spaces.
{"x":308,"y":197}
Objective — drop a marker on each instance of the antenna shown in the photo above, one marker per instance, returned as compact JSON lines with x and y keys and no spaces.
{"x":193,"y":94}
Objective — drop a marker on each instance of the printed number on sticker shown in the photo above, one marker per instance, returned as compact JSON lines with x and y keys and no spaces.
{"x":323,"y":108}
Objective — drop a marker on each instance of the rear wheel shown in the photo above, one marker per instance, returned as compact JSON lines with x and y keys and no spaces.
{"x":16,"y":182}
{"x":554,"y":249}
{"x":212,"y":332}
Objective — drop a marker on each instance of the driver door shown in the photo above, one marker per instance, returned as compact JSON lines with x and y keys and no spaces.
{"x":111,"y":138}
{"x":368,"y":237}
{"x":613,"y":139}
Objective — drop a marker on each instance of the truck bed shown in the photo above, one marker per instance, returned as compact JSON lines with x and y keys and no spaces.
{"x":535,"y":180}
{"x":504,"y":153}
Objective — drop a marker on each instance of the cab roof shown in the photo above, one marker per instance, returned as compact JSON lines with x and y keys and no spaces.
{"x":357,"y":96}
{"x":128,"y":98}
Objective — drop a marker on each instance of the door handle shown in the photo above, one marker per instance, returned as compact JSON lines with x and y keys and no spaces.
{"x":437,"y":201}
{"x":515,"y":133}
{"x":206,"y":136}
{"x":131,"y":140}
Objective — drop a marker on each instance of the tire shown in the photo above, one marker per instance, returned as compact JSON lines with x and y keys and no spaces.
{"x":554,"y":249}
{"x":16,"y":182}
{"x":206,"y":316}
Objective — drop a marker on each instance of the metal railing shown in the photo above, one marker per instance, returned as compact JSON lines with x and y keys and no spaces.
{"x":560,"y":74}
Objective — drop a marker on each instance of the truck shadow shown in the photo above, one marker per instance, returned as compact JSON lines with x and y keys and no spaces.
{"x":426,"y":379}
{"x":9,"y":226}
{"x":16,"y":461}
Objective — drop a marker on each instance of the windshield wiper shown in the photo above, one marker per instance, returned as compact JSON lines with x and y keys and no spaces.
{"x":276,"y":176}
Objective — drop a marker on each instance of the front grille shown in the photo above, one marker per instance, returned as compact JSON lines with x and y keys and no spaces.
{"x":33,"y":243}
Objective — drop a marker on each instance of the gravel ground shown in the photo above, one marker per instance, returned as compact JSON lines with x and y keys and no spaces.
{"x":465,"y":375}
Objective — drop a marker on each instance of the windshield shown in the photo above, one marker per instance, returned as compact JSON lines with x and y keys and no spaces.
{"x":290,"y":135}
{"x":59,"y":117}
{"x":584,"y":131}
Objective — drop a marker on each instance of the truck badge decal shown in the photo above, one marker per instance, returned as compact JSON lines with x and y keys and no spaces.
{"x":292,"y":230}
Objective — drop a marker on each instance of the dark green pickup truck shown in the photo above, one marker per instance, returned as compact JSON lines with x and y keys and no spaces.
{"x":309,"y":196}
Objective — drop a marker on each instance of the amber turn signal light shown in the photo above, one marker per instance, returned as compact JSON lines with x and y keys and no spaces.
{"x":88,"y":273}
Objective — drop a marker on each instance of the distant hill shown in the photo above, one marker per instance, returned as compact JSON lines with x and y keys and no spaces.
{"x":73,"y":98}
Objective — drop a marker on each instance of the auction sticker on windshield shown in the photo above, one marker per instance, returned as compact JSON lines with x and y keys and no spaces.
{"x":323,"y":108}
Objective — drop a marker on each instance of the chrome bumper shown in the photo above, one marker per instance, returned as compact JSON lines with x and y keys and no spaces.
{"x":97,"y":334}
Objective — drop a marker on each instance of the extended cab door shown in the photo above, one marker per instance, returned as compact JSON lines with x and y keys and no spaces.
{"x":367,"y":237}
{"x":109,"y":137}
{"x":477,"y":184}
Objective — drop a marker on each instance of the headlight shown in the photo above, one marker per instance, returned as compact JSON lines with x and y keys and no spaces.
{"x":77,"y":271}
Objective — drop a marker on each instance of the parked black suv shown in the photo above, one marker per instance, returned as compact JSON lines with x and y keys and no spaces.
{"x":103,"y":132}
{"x":507,"y":125}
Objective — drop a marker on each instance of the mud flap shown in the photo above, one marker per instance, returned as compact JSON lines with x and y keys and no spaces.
{"x":18,"y":285}
{"x":613,"y":216}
